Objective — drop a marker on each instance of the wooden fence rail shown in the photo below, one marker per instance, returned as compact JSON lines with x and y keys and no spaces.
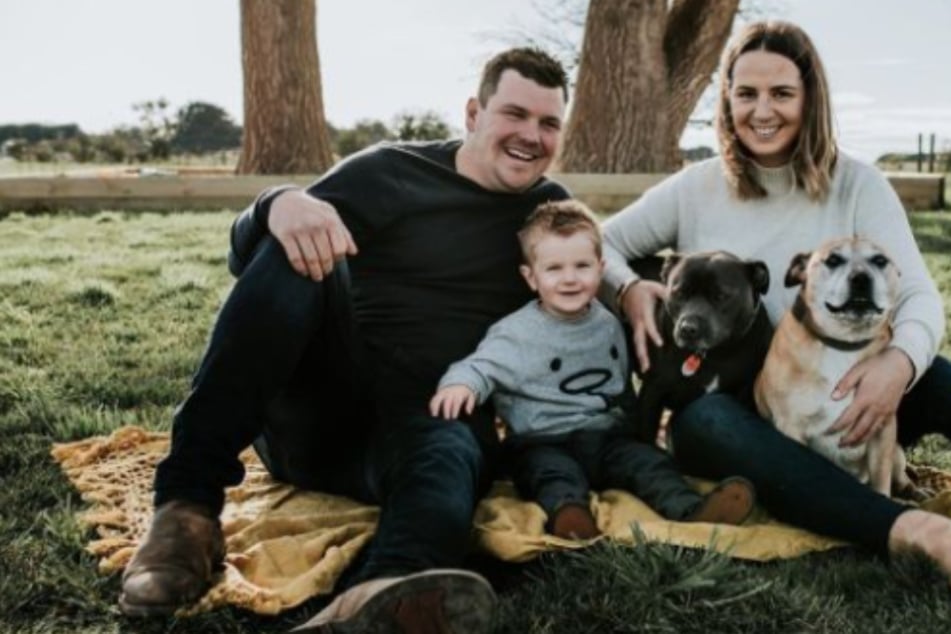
{"x":603,"y":192}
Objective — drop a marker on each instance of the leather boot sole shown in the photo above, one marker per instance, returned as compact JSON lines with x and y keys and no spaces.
{"x":194,"y":589}
{"x":429,"y":602}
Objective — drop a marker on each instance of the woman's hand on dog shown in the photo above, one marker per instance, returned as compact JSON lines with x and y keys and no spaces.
{"x":639,"y":305}
{"x":879,"y":383}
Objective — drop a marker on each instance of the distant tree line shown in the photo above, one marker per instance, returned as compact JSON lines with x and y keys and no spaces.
{"x":406,"y":126}
{"x":33,"y":132}
{"x":196,"y":129}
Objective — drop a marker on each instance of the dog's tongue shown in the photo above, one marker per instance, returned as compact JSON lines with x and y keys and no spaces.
{"x":691,"y":365}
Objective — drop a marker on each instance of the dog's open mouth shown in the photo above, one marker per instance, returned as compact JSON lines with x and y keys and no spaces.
{"x":855,"y":305}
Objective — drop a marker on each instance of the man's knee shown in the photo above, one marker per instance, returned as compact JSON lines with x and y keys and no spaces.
{"x":445,"y":454}
{"x":456,"y":442}
{"x":269,"y":262}
{"x":279,"y":296}
{"x":434,"y":469}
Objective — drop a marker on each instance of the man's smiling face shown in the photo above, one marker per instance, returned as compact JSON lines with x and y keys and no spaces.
{"x":513,"y":137}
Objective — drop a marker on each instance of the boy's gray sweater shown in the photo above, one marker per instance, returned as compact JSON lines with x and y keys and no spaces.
{"x":549,"y":376}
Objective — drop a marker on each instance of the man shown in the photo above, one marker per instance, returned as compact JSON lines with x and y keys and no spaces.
{"x":352,"y":299}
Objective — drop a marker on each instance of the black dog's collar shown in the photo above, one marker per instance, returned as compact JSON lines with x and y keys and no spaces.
{"x":801,"y":313}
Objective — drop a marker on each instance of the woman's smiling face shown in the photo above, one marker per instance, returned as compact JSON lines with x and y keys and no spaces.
{"x":766,"y":104}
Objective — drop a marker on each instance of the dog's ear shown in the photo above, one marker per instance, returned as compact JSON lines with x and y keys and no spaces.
{"x":759,"y":276}
{"x":796,"y":274}
{"x":669,"y":263}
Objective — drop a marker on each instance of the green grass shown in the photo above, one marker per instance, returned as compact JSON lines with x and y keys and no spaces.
{"x":102,"y":321}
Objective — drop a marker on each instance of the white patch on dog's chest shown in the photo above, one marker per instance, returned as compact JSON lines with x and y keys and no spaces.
{"x":824,"y":411}
{"x":835,"y":363}
{"x":713,"y":385}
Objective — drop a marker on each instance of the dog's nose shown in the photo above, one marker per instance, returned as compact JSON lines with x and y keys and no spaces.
{"x":689,"y":329}
{"x":860,"y":285}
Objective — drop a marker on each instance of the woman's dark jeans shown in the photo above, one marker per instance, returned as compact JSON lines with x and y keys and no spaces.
{"x":716,"y":437}
{"x":286,"y":370}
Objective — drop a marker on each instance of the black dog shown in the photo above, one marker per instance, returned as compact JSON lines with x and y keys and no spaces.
{"x":715,"y":329}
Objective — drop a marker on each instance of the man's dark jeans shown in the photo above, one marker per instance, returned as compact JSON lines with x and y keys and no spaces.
{"x":285,"y":369}
{"x":716,"y":436}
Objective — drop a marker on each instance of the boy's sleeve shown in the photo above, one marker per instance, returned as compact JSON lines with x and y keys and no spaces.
{"x":489,"y":368}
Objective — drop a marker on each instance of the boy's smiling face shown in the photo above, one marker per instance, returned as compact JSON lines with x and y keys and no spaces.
{"x":565,"y":271}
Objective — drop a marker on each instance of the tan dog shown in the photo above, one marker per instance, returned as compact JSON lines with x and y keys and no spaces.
{"x":841,"y":316}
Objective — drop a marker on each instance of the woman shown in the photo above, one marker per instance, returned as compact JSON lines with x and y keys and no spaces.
{"x":780,"y":187}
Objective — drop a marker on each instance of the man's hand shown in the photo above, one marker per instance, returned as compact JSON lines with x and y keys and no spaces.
{"x":638,"y":304}
{"x":879,"y":383}
{"x":311,"y":232}
{"x":452,"y":400}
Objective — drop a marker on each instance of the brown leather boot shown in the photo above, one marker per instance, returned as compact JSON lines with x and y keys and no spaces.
{"x":438,"y":601}
{"x":574,"y":521}
{"x":175,"y":562}
{"x":730,"y":502}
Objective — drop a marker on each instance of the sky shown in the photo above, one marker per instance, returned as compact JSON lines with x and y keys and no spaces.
{"x":88,"y":61}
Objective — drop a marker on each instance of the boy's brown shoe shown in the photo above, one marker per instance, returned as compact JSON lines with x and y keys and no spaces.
{"x":730,"y":502}
{"x":573,"y":521}
{"x":175,"y":562}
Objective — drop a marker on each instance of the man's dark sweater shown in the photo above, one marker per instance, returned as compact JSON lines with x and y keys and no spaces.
{"x":438,"y":255}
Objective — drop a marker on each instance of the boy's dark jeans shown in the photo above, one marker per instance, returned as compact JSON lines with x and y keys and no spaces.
{"x":286,"y":370}
{"x":554,"y":472}
{"x":716,"y":436}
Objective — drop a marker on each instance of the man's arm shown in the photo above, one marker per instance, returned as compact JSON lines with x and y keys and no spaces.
{"x":309,"y":223}
{"x":250,"y":228}
{"x":310,"y":230}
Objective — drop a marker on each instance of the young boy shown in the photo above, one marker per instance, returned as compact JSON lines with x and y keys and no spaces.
{"x":557,"y":371}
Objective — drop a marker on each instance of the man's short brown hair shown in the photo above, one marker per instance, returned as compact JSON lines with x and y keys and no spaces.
{"x":564,"y":218}
{"x":530,"y":63}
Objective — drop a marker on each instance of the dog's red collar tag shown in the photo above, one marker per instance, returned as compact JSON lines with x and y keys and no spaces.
{"x":691,"y":365}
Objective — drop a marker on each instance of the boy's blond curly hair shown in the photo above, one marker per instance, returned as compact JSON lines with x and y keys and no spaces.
{"x":564,"y":218}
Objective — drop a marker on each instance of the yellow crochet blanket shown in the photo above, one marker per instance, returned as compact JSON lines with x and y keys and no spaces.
{"x":286,"y":545}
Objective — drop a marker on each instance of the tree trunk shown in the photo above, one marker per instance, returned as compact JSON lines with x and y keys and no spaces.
{"x":643,"y":68}
{"x":285,"y":131}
